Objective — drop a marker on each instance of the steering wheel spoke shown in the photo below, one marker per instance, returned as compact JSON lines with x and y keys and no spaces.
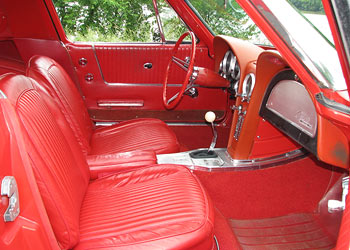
{"x":189,"y":86}
{"x":187,"y":66}
{"x":173,"y":98}
{"x":182,"y":64}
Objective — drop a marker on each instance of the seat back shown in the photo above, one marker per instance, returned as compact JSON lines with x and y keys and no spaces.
{"x":59,"y":165}
{"x":49,"y":74}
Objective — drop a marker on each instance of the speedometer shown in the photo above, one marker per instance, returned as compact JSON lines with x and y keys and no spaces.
{"x":229,"y":69}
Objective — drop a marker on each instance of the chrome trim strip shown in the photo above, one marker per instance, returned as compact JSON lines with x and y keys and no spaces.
{"x":224,"y":162}
{"x":269,"y":161}
{"x":216,"y":243}
{"x":124,"y":104}
{"x":187,"y":124}
{"x":141,"y":84}
{"x":168,"y":123}
{"x":105,"y":124}
{"x":98,"y":63}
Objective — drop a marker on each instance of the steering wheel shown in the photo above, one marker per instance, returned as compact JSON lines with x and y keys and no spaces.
{"x":185,"y":65}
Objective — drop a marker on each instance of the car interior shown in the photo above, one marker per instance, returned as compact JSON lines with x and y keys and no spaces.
{"x":207,"y":143}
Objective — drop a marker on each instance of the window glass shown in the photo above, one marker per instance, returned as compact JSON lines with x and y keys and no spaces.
{"x":313,"y":11}
{"x":107,"y":21}
{"x":117,"y":21}
{"x":226,"y":17}
{"x":173,"y":26}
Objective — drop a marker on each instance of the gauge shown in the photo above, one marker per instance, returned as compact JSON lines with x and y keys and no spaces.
{"x":248,"y":86}
{"x":225,"y":62}
{"x":229,"y":69}
{"x":221,"y":70}
{"x":236,"y":71}
{"x":229,"y":66}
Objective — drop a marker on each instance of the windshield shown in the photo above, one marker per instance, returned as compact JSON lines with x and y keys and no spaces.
{"x":301,"y":24}
{"x":307,"y":38}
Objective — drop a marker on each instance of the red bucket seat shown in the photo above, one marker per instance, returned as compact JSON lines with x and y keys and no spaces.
{"x":154,"y":207}
{"x":137,"y":134}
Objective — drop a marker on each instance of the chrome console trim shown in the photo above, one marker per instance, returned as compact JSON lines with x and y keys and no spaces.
{"x":224,"y":162}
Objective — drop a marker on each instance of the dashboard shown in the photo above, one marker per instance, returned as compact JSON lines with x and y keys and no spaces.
{"x":273,"y":113}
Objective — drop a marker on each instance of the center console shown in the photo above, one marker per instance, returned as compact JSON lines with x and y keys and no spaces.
{"x":224,"y":162}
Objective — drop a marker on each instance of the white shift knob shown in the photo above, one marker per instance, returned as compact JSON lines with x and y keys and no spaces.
{"x":210,"y":116}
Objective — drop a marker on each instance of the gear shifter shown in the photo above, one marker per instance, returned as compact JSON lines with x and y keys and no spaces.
{"x":210,"y":117}
{"x":208,"y":153}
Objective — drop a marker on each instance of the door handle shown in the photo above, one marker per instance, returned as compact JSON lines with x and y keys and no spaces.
{"x":148,"y":65}
{"x":9,"y":189}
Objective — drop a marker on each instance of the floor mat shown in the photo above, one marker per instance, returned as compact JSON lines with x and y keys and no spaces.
{"x":295,"y":231}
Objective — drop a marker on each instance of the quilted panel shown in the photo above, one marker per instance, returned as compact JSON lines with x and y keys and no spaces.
{"x":143,"y":134}
{"x":155,"y":207}
{"x":59,"y":165}
{"x":61,"y":87}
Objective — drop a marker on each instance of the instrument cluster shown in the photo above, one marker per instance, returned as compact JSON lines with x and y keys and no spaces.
{"x":230,"y":70}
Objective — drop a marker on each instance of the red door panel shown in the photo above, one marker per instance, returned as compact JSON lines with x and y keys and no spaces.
{"x":120,"y":78}
{"x":125,"y":64}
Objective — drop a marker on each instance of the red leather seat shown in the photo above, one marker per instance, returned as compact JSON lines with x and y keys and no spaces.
{"x":154,"y":207}
{"x":137,"y":134}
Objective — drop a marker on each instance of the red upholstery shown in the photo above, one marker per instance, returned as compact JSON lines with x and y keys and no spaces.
{"x":138,"y":134}
{"x":145,"y":134}
{"x":102,"y":165}
{"x":59,"y":166}
{"x":158,"y":207}
{"x":154,"y":207}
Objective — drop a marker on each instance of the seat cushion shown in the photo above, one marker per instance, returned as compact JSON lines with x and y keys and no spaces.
{"x":156,"y":207}
{"x":144,"y":134}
